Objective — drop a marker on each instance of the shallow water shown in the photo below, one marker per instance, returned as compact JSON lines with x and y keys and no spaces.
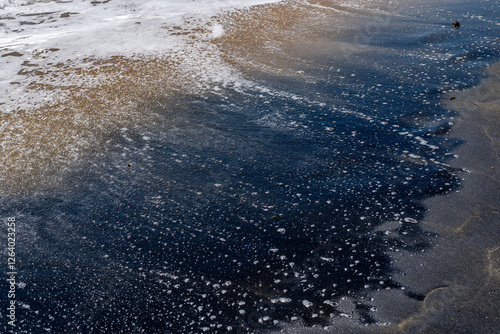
{"x":277,"y":197}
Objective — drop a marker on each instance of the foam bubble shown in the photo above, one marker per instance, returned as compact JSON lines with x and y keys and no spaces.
{"x":217,"y":31}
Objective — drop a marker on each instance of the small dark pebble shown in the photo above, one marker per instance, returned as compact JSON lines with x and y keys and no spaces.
{"x":128,"y":166}
{"x":452,"y":98}
{"x":65,"y":14}
{"x":456,"y":24}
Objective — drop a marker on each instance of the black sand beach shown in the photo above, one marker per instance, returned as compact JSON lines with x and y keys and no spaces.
{"x":460,"y":276}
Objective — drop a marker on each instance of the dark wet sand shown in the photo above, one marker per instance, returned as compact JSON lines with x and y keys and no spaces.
{"x":460,"y":274}
{"x":466,"y":259}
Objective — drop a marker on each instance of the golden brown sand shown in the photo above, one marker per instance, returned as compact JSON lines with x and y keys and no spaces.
{"x":278,"y":38}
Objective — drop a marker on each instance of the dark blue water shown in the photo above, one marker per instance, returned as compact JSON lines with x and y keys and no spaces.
{"x":249,"y":208}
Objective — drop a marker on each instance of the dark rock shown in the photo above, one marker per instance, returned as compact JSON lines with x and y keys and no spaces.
{"x":456,"y":24}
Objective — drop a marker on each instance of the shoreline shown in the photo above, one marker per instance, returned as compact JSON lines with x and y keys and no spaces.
{"x":466,"y":260}
{"x":460,"y":275}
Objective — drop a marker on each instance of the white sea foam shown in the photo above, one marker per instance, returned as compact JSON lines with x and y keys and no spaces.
{"x":97,"y":29}
{"x":217,"y":31}
{"x":103,"y":28}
